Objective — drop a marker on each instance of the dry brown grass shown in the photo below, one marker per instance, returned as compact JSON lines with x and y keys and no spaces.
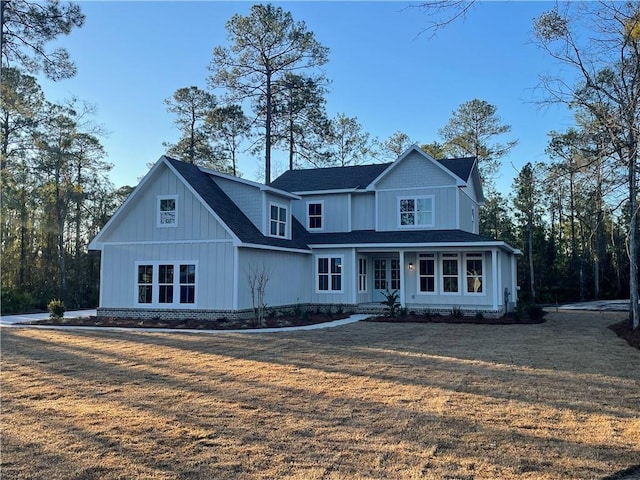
{"x":560,"y":400}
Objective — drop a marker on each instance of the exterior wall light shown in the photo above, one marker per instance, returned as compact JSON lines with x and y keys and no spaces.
{"x":410,"y":266}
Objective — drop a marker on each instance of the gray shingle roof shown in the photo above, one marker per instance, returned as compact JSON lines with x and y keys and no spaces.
{"x":395,"y":237}
{"x":357,"y":176}
{"x":460,"y":166}
{"x":332,"y":178}
{"x":229,"y":212}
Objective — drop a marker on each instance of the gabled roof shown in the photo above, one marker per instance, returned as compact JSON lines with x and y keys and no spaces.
{"x":332,"y":178}
{"x":359,"y":177}
{"x":229,"y":213}
{"x":462,"y":167}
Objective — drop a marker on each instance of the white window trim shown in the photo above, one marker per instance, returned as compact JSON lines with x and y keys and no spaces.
{"x":416,"y":198}
{"x":317,"y":274}
{"x":311,"y":202}
{"x":159,"y":198}
{"x":476,"y":256}
{"x":364,"y":275}
{"x":287,"y":224}
{"x":449,"y":256}
{"x":433,"y":257}
{"x":156,"y":285}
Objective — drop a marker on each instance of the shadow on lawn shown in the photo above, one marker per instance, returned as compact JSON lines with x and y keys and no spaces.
{"x":213,"y":376}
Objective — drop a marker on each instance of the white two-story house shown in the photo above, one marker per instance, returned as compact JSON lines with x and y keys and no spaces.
{"x":187,"y":240}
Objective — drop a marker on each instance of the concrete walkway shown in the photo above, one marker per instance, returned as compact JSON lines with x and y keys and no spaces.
{"x":21,"y":321}
{"x":596,"y":305}
{"x":6,"y":320}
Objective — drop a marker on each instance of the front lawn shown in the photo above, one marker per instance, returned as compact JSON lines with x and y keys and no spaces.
{"x":557,"y":400}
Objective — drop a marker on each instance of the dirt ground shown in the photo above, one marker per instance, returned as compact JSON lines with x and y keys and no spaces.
{"x":557,"y":400}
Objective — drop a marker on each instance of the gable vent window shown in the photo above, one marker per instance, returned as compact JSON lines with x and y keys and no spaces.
{"x":168,"y":211}
{"x":278,"y":221}
{"x":416,"y":212}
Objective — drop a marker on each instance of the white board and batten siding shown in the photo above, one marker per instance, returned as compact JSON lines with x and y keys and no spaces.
{"x":335,"y":211}
{"x":289,"y":276}
{"x":415,"y":171}
{"x":135,"y":238}
{"x":347,"y":295}
{"x":214,"y":269}
{"x":363,"y":210}
{"x":139,"y":223}
{"x":445,"y":200}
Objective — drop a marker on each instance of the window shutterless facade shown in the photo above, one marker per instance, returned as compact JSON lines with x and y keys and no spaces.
{"x":362,"y":274}
{"x":167,"y":211}
{"x":329,"y":274}
{"x":450,"y":276}
{"x":314,"y":215}
{"x":427,"y":273}
{"x":415,"y":211}
{"x":157,"y":284}
{"x":474,"y":263}
{"x":278,"y":220}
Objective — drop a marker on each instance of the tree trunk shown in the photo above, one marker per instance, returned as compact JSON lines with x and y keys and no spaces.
{"x":267,"y":128}
{"x":633,"y":233}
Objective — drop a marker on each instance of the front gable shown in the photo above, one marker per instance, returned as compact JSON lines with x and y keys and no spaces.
{"x":414,"y":169}
{"x":161,"y":209}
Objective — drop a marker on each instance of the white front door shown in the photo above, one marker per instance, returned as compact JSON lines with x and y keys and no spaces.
{"x":386,"y":277}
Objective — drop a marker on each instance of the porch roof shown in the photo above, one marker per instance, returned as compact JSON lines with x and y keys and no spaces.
{"x":406,"y":238}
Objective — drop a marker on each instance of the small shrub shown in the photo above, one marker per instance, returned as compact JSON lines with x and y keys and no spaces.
{"x":329,"y":311}
{"x":412,"y":313}
{"x":340,"y":309}
{"x":535,"y":312}
{"x":318,"y":310}
{"x":391,"y":303}
{"x":479,"y":316}
{"x":271,"y":313}
{"x":56,"y":309}
{"x":297,"y":311}
{"x":456,"y":312}
{"x":305,"y":316}
{"x":403,"y":312}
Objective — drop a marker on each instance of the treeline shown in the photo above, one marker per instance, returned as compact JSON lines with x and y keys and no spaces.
{"x":574,"y":217}
{"x":55,"y":190}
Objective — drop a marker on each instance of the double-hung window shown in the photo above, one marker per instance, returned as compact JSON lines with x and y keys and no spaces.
{"x":427,"y":273}
{"x":474,"y":273}
{"x":145,"y":283}
{"x":329,"y":274}
{"x":277,"y":220}
{"x":450,"y":280}
{"x":314,"y":215}
{"x":158,"y":282}
{"x":416,"y":211}
{"x":167,"y":211}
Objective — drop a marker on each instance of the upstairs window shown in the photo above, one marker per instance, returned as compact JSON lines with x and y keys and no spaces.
{"x":416,"y":211}
{"x":168,"y":211}
{"x":277,"y":221}
{"x":314,"y":216}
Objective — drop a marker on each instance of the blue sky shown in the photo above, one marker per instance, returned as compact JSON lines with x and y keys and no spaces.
{"x":132,"y":55}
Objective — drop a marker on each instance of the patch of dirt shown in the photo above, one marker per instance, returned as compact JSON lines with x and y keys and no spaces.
{"x":194,"y":324}
{"x":508,"y":319}
{"x":623,"y":330}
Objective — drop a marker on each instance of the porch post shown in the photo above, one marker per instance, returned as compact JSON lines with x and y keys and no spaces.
{"x":494,"y":274}
{"x":402,"y":279}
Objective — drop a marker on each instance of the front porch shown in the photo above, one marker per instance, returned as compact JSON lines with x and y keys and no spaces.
{"x":436,"y":280}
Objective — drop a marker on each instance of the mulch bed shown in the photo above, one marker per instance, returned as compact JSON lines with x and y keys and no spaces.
{"x":623,"y":330}
{"x":192,"y":324}
{"x":508,"y":319}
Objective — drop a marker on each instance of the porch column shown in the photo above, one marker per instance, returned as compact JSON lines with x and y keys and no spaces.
{"x":402,"y":279}
{"x":354,"y":277}
{"x":494,"y":274}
